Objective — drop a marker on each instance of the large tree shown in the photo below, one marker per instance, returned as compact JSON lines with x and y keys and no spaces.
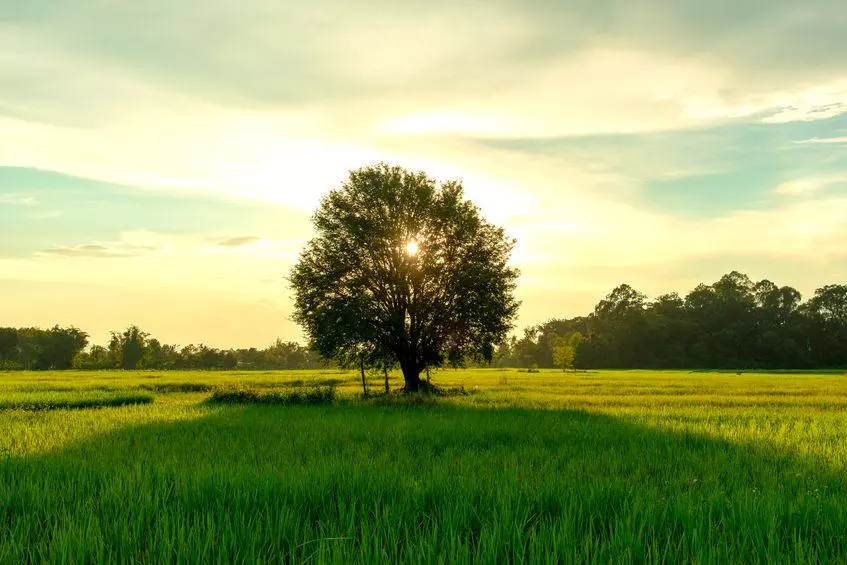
{"x":405,"y":266}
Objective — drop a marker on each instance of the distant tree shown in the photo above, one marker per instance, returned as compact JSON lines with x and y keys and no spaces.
{"x":9,"y":349}
{"x":526,"y":350}
{"x":618,"y":333}
{"x":169,"y":356}
{"x":154,"y":357}
{"x":206,"y":357}
{"x":287,"y":355}
{"x":549,"y":333}
{"x":100,"y":358}
{"x":830,"y":303}
{"x":229,"y":360}
{"x":670,"y":330}
{"x":725,"y":313}
{"x":96,"y":358}
{"x":778,"y":337}
{"x":8,"y":341}
{"x":58,"y":347}
{"x":29,"y":347}
{"x":128,"y":347}
{"x":622,"y":301}
{"x":188,"y":357}
{"x":504,"y":353}
{"x":827,"y":311}
{"x":403,"y":265}
{"x":564,"y":350}
{"x":732,"y":323}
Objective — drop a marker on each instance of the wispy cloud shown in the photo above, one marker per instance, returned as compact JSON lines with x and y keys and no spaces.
{"x":239,"y":241}
{"x":809,"y":185}
{"x":825,"y":140}
{"x":777,"y":104}
{"x":807,"y":113}
{"x":131,"y":244}
{"x":99,"y":250}
{"x":17,"y":199}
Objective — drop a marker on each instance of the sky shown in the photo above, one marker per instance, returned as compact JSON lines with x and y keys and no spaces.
{"x":160,"y":160}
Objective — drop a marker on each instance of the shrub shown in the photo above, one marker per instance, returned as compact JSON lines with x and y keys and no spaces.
{"x":176,"y":387}
{"x":313,"y":395}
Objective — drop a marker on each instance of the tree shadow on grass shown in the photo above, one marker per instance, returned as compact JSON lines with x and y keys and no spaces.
{"x":450,"y":484}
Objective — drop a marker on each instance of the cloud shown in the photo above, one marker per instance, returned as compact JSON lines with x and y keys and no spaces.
{"x":809,"y":185}
{"x":130,"y":244}
{"x":806,"y":113}
{"x":781,"y":104}
{"x":17,"y":199}
{"x":826,"y":140}
{"x":513,"y":69}
{"x":239,"y":241}
{"x":275,"y":114}
{"x":97,"y":250}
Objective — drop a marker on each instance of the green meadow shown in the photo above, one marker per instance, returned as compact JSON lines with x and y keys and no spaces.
{"x":551,"y":467}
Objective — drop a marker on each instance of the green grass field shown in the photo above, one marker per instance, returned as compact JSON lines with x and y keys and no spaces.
{"x":602,"y":466}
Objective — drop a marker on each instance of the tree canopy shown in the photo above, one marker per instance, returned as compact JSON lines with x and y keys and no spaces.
{"x":132,"y":348}
{"x":407,"y":268}
{"x":733,"y":323}
{"x":34,"y":348}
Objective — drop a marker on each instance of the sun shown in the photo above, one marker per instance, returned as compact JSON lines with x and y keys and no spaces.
{"x":412,"y":247}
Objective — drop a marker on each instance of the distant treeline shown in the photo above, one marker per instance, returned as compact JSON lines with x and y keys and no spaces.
{"x":732,"y":324}
{"x":65,"y":348}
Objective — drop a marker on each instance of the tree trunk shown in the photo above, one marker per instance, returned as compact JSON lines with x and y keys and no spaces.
{"x":412,"y":377}
{"x":385,"y":370}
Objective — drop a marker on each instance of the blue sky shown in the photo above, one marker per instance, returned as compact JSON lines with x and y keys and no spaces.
{"x":159,"y":161}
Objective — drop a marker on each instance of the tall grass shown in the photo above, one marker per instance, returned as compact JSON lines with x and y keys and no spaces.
{"x":35,"y":401}
{"x":595,"y":467}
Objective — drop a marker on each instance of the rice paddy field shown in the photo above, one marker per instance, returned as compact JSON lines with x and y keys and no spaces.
{"x":550,"y":467}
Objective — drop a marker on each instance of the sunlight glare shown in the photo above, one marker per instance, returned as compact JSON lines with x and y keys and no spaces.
{"x":412,"y":247}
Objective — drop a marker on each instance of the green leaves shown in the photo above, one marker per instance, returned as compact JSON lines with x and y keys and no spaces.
{"x":357,"y":286}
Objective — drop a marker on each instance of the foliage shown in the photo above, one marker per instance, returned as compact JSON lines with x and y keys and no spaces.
{"x":78,"y":400}
{"x":127,"y":348}
{"x":176,"y":387}
{"x":733,"y":323}
{"x":313,"y":395}
{"x":132,"y":348}
{"x":564,"y":349}
{"x":34,"y":348}
{"x":403,"y":268}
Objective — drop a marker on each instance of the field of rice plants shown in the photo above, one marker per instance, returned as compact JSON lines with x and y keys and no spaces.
{"x":598,"y":466}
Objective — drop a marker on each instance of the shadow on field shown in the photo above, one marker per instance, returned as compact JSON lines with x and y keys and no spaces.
{"x":348,"y":483}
